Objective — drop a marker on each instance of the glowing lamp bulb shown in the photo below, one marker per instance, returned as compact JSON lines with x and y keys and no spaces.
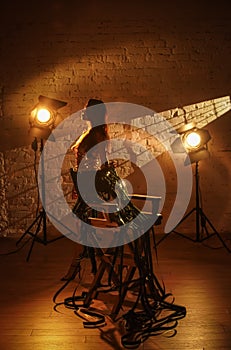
{"x":43,"y":115}
{"x":193,"y":140}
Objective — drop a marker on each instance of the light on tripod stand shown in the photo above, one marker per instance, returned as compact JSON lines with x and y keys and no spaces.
{"x":43,"y":119}
{"x":194,"y":142}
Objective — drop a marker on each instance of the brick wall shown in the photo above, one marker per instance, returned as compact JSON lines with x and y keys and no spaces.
{"x":159,"y":56}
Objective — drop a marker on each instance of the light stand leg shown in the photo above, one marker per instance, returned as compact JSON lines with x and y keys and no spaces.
{"x":35,"y":237}
{"x":28,"y":229}
{"x":41,"y":219}
{"x":215,"y":232}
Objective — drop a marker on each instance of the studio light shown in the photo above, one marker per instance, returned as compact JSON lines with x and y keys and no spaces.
{"x":44,"y":114}
{"x":193,"y":141}
{"x":42,"y":120}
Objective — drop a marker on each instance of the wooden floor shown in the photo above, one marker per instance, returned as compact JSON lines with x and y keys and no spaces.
{"x":198,"y":277}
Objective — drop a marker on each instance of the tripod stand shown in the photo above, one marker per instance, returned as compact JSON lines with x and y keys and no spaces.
{"x":40,"y":222}
{"x":201,"y":220}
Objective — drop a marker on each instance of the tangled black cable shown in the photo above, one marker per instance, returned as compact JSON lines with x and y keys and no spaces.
{"x":140,"y":325}
{"x":157,"y":315}
{"x":92,"y":319}
{"x":152,"y":320}
{"x":69,"y":302}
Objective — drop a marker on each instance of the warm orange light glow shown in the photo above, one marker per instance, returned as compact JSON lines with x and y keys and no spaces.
{"x":43,"y":115}
{"x":192,"y":140}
